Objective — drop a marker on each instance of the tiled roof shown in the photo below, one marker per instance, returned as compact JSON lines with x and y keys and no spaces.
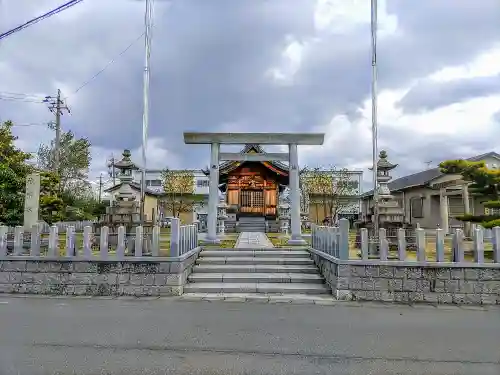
{"x":229,"y":165}
{"x":136,"y":186}
{"x":423,"y":177}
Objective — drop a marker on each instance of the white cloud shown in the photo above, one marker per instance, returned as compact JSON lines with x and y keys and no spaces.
{"x":485,"y":65}
{"x":330,"y":17}
{"x":291,"y":61}
{"x":341,"y":16}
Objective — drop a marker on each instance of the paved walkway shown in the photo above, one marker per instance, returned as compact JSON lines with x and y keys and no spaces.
{"x":251,"y":240}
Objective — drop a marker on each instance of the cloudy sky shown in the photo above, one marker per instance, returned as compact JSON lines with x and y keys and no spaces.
{"x":261,"y":65}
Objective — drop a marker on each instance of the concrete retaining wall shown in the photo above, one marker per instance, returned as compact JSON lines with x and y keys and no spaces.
{"x":411,"y":282}
{"x":73,"y":276}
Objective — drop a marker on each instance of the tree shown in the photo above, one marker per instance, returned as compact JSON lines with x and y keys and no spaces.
{"x":74,"y":161}
{"x":178,"y":189}
{"x":485,"y":183}
{"x":13,"y":171}
{"x":331,"y":187}
{"x":52,"y":207}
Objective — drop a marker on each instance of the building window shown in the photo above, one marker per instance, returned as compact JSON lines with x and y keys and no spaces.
{"x":202,"y":183}
{"x":417,"y":207}
{"x":156,"y":183}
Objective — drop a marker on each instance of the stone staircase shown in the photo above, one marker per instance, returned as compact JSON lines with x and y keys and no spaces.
{"x":252,"y":224}
{"x":284,"y":275}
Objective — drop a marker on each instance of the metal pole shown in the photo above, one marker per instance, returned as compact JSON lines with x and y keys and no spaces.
{"x":145,"y":116}
{"x":374,"y":114}
{"x":57,"y":146}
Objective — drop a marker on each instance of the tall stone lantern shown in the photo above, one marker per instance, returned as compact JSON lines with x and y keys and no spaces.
{"x":222,"y":215}
{"x":125,"y":208}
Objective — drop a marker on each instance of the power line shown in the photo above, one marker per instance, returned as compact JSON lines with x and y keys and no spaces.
{"x":49,"y":125}
{"x":10,"y":96}
{"x":111,"y":62}
{"x":60,"y":8}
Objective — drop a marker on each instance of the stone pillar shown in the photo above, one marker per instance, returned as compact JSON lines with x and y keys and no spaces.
{"x":296,"y":237}
{"x":465,"y":198}
{"x":213,"y":197}
{"x":443,"y":208}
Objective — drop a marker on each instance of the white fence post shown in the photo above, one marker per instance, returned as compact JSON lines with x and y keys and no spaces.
{"x":70,"y":242}
{"x":3,"y":240}
{"x":478,"y":245}
{"x":439,"y":245}
{"x":139,"y":239}
{"x":364,"y":243}
{"x":120,"y":243}
{"x":383,"y":244}
{"x":35,"y":241}
{"x":18,"y":240}
{"x":402,"y":244}
{"x":53,"y":241}
{"x":87,"y":242}
{"x":496,"y":244}
{"x":103,"y":242}
{"x":155,"y":241}
{"x":344,"y":239}
{"x":174,"y":237}
{"x":420,"y":237}
{"x":458,"y":246}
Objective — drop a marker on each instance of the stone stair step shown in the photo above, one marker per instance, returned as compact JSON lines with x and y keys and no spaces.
{"x":318,"y":299}
{"x":252,"y":260}
{"x":256,"y":253}
{"x":267,"y":288}
{"x":256,"y":277}
{"x":262,"y":268}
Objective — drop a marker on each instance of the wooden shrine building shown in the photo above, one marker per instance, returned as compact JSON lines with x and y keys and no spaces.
{"x":252,"y":187}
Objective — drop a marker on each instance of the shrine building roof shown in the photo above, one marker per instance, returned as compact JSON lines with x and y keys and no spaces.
{"x":275,"y":166}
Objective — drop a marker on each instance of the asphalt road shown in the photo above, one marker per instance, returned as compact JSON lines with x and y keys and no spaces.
{"x":168,"y":336}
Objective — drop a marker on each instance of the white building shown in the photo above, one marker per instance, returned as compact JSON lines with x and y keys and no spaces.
{"x":154,"y":180}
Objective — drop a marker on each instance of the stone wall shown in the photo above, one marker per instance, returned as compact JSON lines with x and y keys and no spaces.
{"x":144,"y":276}
{"x":411,"y":282}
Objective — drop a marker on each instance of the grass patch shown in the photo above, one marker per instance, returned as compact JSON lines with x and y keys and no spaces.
{"x":228,"y":243}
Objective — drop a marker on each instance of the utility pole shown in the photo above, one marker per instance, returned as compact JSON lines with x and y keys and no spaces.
{"x":57,"y":106}
{"x":111,"y":168}
{"x":145,"y":116}
{"x":100,"y":188}
{"x":374,"y":116}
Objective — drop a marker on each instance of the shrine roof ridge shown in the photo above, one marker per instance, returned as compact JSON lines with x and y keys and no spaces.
{"x":254,"y":138}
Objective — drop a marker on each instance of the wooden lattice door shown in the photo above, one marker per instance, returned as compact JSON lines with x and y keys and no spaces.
{"x":252,"y":201}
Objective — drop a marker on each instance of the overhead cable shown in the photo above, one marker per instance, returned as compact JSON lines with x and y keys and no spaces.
{"x":60,"y":8}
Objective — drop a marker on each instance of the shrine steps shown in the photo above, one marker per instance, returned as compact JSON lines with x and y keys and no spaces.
{"x":263,"y":273}
{"x":251,"y":224}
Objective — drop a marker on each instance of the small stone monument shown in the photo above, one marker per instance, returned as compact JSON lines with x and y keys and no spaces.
{"x":31,"y":201}
{"x":222,"y":215}
{"x":284,"y":217}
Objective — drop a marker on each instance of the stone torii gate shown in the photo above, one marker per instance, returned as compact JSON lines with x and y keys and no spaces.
{"x":290,"y":139}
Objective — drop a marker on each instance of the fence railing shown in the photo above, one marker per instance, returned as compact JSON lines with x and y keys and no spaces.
{"x":103,"y":245}
{"x":335,"y":241}
{"x":62,"y":226}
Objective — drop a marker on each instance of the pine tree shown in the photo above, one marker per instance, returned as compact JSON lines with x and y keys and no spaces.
{"x":485,"y":183}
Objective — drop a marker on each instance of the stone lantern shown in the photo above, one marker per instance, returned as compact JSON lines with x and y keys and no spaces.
{"x":221,"y":215}
{"x":284,"y":216}
{"x":125,"y":209}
